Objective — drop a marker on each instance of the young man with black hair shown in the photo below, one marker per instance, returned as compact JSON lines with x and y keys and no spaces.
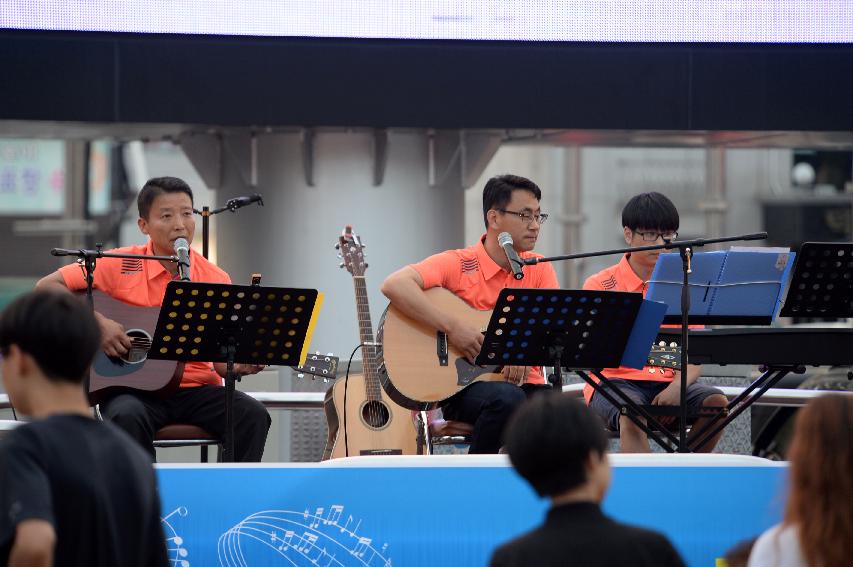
{"x":166,"y":214}
{"x":647,"y":219}
{"x":477,"y":274}
{"x":559,"y":447}
{"x":73,"y":490}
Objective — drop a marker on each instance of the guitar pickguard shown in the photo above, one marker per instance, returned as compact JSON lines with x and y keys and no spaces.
{"x":467,"y":372}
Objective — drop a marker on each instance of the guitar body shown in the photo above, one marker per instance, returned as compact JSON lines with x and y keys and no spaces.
{"x":135,"y":371}
{"x":421,"y":368}
{"x":362,"y":427}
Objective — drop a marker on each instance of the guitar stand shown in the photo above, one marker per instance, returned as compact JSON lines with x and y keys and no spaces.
{"x":208,"y":322}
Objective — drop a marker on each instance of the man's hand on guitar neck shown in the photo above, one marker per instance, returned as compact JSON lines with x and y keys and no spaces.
{"x":114,"y":340}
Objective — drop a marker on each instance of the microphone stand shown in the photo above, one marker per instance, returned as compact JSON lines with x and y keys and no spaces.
{"x":685,"y":249}
{"x":89,"y":258}
{"x":230,"y":205}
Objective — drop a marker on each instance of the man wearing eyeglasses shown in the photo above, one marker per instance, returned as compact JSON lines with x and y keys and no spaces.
{"x":647,"y":219}
{"x":477,"y":274}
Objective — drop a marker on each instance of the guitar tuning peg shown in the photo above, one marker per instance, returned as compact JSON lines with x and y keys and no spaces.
{"x":366,"y":265}
{"x":339,"y":255}
{"x":337,"y":245}
{"x":325,"y":380}
{"x":300,"y":376}
{"x":341,"y":265}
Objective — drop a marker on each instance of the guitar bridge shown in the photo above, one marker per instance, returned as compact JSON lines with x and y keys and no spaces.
{"x":441,"y":347}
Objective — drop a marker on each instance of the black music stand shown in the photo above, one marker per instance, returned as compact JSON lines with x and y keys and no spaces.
{"x":822,"y":282}
{"x":210,"y":322}
{"x":583,"y":331}
{"x":821,"y":286}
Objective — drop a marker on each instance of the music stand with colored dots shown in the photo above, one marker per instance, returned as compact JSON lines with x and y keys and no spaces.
{"x":246,"y":324}
{"x":579,"y":330}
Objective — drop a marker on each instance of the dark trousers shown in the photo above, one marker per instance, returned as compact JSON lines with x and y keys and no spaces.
{"x":142,"y":415}
{"x":488,"y":407}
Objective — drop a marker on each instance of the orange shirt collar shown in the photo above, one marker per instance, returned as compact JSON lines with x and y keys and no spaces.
{"x":488,"y":267}
{"x":626,"y":274}
{"x":154,"y":267}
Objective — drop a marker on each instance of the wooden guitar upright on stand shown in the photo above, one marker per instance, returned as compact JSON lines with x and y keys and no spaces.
{"x":362,"y":419}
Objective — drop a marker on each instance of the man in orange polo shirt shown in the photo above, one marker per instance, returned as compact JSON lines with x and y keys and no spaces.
{"x":647,"y":219}
{"x":477,"y":274}
{"x":166,"y":214}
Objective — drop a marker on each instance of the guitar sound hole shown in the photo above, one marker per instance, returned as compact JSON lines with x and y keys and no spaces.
{"x":140,"y":344}
{"x":375,"y":414}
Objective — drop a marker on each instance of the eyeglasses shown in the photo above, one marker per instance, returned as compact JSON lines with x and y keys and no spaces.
{"x":651,"y":236}
{"x":527,"y":216}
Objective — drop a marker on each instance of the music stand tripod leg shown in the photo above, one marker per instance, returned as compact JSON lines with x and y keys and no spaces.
{"x":633,"y":412}
{"x":230,"y":385}
{"x":767,"y":381}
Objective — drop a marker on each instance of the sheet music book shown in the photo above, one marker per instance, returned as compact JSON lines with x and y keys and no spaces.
{"x":742,"y":285}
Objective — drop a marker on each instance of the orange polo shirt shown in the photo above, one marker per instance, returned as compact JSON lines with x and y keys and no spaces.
{"x":143,"y":283}
{"x":472,"y":275}
{"x":621,"y":277}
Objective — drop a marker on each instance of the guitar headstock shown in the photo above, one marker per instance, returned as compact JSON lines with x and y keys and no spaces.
{"x":665,"y":354}
{"x":322,"y":365}
{"x":351,"y":251}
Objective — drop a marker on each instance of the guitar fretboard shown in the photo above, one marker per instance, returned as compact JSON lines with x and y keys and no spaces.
{"x":365,"y":333}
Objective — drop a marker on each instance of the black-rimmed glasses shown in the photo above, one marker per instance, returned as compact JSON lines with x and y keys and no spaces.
{"x":527,"y":216}
{"x":653,"y":235}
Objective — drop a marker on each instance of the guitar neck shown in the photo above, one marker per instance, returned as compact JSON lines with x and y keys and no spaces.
{"x":365,"y":334}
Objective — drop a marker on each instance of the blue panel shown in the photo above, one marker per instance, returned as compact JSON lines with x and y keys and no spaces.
{"x":643,"y":334}
{"x":436,"y":516}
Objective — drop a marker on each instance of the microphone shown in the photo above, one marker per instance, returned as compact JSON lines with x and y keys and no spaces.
{"x":182,"y":251}
{"x":237,"y":202}
{"x":515,"y":262}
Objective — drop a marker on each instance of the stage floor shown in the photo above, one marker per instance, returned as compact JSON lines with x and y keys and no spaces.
{"x":444,"y":510}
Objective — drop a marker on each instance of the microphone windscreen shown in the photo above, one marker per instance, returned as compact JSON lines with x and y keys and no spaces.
{"x":504,"y":238}
{"x":182,"y":244}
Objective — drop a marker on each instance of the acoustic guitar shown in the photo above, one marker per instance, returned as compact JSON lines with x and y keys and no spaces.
{"x":135,"y":371}
{"x":362,"y":419}
{"x":421,"y":369}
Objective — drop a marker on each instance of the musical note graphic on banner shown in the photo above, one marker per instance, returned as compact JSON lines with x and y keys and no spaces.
{"x":177,"y":553}
{"x":301,"y":538}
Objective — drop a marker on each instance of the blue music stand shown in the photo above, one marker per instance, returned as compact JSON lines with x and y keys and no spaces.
{"x":741,"y":286}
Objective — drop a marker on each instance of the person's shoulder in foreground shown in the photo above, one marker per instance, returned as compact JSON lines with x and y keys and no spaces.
{"x":569,"y":465}
{"x":72,"y":490}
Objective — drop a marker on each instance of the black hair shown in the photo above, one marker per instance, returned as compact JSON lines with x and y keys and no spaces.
{"x":157,"y":186}
{"x":498,"y":192}
{"x":56,"y":328}
{"x":652,"y":211}
{"x":550,"y":439}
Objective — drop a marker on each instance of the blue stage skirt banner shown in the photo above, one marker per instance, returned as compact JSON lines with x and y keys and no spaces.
{"x":443,"y":510}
